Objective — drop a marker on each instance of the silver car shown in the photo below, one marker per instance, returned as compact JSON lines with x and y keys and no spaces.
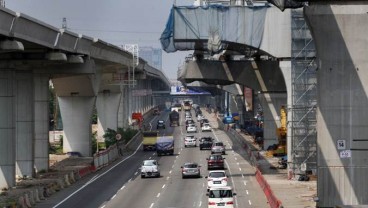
{"x":190,"y":169}
{"x":192,"y":128}
{"x":218,"y":147}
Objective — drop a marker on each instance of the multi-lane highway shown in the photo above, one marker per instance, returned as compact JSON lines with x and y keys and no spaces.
{"x":122,"y":186}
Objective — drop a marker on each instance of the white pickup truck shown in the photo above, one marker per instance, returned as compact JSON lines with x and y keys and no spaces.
{"x":150,"y":168}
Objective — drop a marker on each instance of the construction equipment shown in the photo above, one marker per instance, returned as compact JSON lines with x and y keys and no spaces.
{"x":280,"y":148}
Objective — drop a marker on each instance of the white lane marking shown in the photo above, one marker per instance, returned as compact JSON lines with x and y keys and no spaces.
{"x":250,"y":203}
{"x":95,"y":178}
{"x":158,"y":195}
{"x":152,"y":205}
{"x":247,"y":192}
{"x":168,"y":177}
{"x":177,"y":156}
{"x":236,"y":158}
{"x":103,"y":206}
{"x":237,"y":163}
{"x":135,"y":173}
{"x":113,"y":196}
{"x":149,"y":158}
{"x":172,"y":165}
{"x":164,"y":186}
{"x":154,"y":154}
{"x":200,"y":204}
{"x":245,"y":183}
{"x":170,"y":171}
{"x":232,"y":181}
{"x":129,"y":180}
{"x":242,"y":175}
{"x":122,"y":188}
{"x":240,"y":169}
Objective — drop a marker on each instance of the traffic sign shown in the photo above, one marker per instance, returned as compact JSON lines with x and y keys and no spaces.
{"x":118,"y":137}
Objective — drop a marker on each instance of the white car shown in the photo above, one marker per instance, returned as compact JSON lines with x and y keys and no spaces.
{"x":216,"y":178}
{"x":150,"y":168}
{"x":190,"y":140}
{"x":206,"y":127}
{"x":187,"y":117}
{"x":221,"y":197}
{"x":191,"y":128}
{"x":200,"y":117}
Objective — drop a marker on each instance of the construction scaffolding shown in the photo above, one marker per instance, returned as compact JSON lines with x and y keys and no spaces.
{"x":304,"y":98}
{"x":129,"y":79}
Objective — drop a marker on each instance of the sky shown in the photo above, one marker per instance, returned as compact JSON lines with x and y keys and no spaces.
{"x":115,"y":21}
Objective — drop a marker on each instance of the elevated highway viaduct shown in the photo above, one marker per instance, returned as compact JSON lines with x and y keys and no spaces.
{"x":339,"y":31}
{"x":86,"y":73}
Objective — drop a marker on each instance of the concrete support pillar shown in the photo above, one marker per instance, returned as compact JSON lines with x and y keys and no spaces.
{"x":130,"y":102}
{"x":24,"y":124}
{"x":107,"y":105}
{"x":122,"y":105}
{"x":41,"y":125}
{"x":271,"y":104}
{"x":340,"y":30}
{"x":7,"y":128}
{"x":76,"y":112}
{"x":285,"y":67}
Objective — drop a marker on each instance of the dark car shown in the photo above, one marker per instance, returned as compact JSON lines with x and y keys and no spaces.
{"x":187,"y":122}
{"x":161,"y":124}
{"x":205,"y":143}
{"x":205,"y":120}
{"x":215,"y":161}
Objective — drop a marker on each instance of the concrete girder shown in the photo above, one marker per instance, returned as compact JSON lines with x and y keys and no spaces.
{"x":247,"y":73}
{"x":339,"y":30}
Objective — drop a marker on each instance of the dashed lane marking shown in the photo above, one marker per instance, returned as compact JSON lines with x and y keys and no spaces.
{"x":250,"y":203}
{"x":135,"y":173}
{"x":168,"y":177}
{"x":122,"y":187}
{"x":247,"y":192}
{"x":149,"y":158}
{"x":240,"y":169}
{"x":152,"y":205}
{"x":245,"y":183}
{"x":164,"y":186}
{"x":170,"y":171}
{"x":158,"y":195}
{"x":97,"y":177}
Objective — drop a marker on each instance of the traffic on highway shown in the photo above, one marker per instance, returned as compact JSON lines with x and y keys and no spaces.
{"x":200,"y":169}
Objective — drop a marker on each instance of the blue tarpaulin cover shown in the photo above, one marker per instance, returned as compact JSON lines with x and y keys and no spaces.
{"x":213,"y":27}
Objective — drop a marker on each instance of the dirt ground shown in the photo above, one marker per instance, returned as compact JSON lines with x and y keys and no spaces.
{"x":59,"y":166}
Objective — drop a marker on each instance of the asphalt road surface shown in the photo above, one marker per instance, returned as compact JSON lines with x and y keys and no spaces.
{"x":121,"y":185}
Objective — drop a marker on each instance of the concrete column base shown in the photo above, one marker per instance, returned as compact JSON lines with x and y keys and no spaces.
{"x":76,"y":113}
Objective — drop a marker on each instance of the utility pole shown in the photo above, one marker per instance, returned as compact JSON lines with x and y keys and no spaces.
{"x":64,"y":24}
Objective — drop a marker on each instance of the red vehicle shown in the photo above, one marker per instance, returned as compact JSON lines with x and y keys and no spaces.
{"x":138,"y":117}
{"x":215,"y":161}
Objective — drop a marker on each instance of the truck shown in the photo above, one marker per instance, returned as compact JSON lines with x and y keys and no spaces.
{"x":176,"y":107}
{"x":187,"y":105}
{"x":165,"y":145}
{"x":149,"y":140}
{"x":174,"y":118}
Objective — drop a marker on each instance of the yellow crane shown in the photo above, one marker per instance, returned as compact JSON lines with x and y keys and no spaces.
{"x":281,"y":132}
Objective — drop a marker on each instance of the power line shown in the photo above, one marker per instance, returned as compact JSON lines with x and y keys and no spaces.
{"x":115,"y":31}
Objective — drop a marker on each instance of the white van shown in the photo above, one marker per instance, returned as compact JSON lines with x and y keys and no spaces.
{"x":221,"y":197}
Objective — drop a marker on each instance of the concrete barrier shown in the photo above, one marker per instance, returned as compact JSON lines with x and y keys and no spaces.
{"x":271,"y":198}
